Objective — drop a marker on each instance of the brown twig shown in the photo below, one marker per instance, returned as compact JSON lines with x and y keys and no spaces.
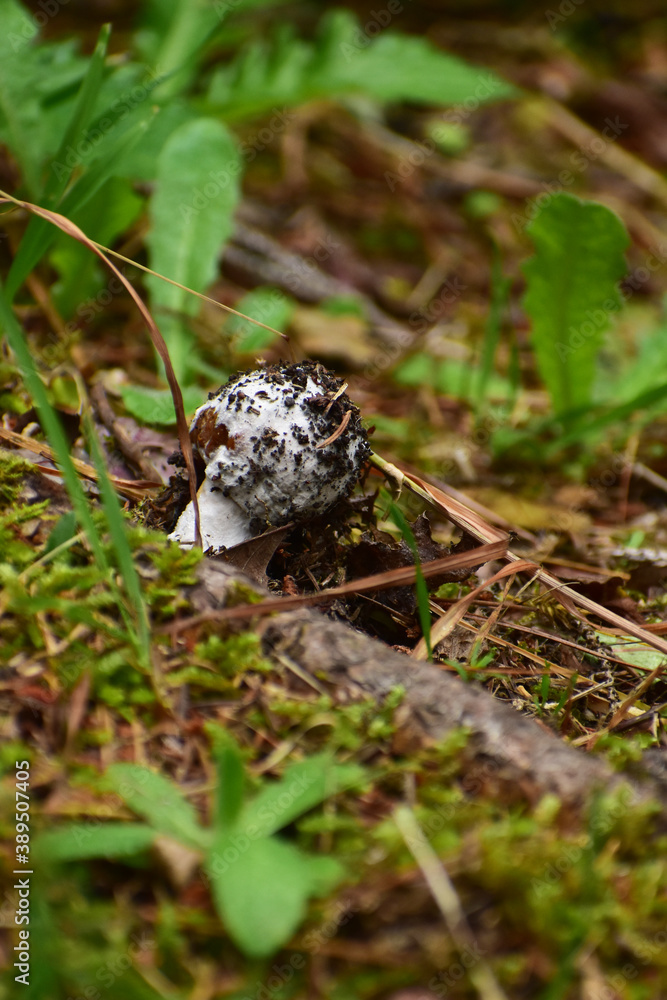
{"x":129,"y":448}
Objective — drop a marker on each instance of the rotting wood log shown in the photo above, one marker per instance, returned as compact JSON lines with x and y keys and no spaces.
{"x":507,"y":754}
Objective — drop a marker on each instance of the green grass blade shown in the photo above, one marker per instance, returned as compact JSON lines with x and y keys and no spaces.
{"x":231,"y":785}
{"x":421,"y":587}
{"x":39,"y":234}
{"x":192,"y":26}
{"x":85,"y":105}
{"x":52,"y":427}
{"x":120,"y":542}
{"x":500,"y":287}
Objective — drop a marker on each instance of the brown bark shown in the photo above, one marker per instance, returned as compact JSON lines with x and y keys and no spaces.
{"x":507,"y":754}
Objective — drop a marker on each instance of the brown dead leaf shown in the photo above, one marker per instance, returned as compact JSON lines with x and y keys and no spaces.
{"x":343,"y":338}
{"x":252,"y":557}
{"x":529,"y":513}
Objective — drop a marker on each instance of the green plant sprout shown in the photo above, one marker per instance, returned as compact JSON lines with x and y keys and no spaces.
{"x":260,"y":883}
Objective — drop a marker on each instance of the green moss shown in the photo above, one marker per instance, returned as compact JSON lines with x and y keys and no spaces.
{"x":623,"y":751}
{"x":13,"y":471}
{"x":234,"y":655}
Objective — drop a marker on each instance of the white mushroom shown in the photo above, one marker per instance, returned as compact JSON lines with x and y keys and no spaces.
{"x":281,"y":444}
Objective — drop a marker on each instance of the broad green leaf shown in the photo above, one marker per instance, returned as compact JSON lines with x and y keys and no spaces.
{"x":407,"y":68}
{"x":267,"y":305}
{"x":94,"y":840}
{"x":572,"y":292}
{"x":632,"y":650}
{"x":260,"y":892}
{"x":159,"y":801}
{"x":231,"y":781}
{"x":19,"y":105}
{"x":140,"y":162}
{"x":303,"y":786}
{"x":345,"y":59}
{"x":324,"y":873}
{"x":156,"y":406}
{"x":191,"y":213}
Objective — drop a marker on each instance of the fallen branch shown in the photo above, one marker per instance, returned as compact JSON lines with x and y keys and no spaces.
{"x":506,"y":754}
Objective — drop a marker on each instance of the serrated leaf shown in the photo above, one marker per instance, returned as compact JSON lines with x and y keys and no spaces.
{"x":88,"y":840}
{"x":572,"y":292}
{"x":191,"y":215}
{"x":345,"y":59}
{"x":261,"y":894}
{"x":407,"y":68}
{"x":159,"y":801}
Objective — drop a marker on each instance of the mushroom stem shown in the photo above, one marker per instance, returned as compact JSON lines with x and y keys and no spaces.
{"x":221,"y":521}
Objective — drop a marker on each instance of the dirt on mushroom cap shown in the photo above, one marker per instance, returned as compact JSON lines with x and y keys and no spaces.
{"x":281,"y":442}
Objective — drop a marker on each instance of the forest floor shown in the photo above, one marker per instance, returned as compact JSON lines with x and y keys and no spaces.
{"x":488,"y":821}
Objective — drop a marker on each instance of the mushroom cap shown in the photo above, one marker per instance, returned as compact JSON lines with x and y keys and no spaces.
{"x":280,"y":442}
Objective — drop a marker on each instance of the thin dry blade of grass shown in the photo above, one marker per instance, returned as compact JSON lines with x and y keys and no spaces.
{"x":191,"y":291}
{"x":378,"y":581}
{"x":448,"y":902}
{"x":133,"y":489}
{"x":68,"y":227}
{"x":471,"y":522}
{"x":453,"y":616}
